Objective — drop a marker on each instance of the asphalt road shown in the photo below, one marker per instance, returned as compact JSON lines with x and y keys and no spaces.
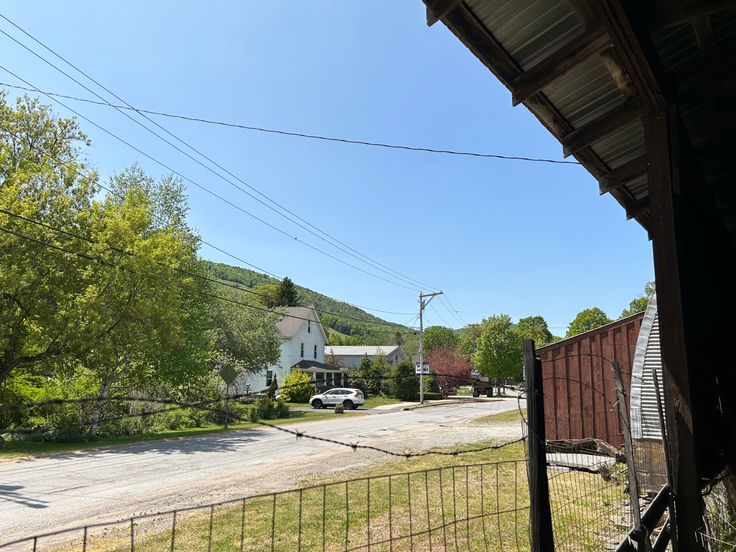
{"x":71,"y":489}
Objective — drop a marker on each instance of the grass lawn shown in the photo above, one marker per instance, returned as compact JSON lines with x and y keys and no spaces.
{"x":18,"y":449}
{"x":502,"y":417}
{"x":473,"y":501}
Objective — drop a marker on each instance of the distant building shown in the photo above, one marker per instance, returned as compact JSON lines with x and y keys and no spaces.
{"x":303,"y":342}
{"x":351,"y":355}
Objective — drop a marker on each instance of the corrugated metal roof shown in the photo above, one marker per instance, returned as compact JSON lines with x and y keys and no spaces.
{"x":360,"y":350}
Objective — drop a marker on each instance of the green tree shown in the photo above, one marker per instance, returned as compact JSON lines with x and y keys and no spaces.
{"x":439,"y":337}
{"x":370,"y":376}
{"x":498,"y":354}
{"x":297,"y":387}
{"x":267,"y":294}
{"x":399,"y":339}
{"x":287,"y":294}
{"x":639,"y":304}
{"x":468,"y":338}
{"x":535,"y":327}
{"x":44,"y":293}
{"x":404,"y":381}
{"x":586,"y":320}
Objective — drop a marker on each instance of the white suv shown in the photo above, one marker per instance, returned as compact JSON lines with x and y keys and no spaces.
{"x":349,"y":398}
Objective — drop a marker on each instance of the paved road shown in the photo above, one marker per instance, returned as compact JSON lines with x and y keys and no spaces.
{"x":65,"y":490}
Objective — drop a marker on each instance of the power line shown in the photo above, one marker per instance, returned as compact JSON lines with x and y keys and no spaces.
{"x":331,"y":240}
{"x":177,"y":269}
{"x":204,"y":188}
{"x":310,"y":136}
{"x":451,"y":309}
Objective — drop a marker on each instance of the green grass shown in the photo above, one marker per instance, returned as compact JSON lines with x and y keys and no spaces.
{"x":372,"y":402}
{"x":501,"y":418}
{"x":17,"y":449}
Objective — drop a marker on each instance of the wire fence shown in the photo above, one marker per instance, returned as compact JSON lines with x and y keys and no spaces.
{"x":480,"y":506}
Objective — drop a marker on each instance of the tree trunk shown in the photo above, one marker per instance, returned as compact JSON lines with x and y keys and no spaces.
{"x":98,"y":406}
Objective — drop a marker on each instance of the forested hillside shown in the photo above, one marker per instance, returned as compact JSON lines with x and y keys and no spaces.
{"x":342,"y":326}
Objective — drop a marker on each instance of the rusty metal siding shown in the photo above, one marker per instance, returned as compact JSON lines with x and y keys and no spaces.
{"x":579,"y":386}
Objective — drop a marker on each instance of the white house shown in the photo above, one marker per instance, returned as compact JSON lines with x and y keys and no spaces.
{"x":350,"y":356}
{"x":303,"y":342}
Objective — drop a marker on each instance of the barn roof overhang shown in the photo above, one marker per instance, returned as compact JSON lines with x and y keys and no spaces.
{"x":591,"y":71}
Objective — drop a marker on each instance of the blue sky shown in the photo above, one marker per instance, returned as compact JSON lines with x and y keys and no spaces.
{"x":497,"y":236}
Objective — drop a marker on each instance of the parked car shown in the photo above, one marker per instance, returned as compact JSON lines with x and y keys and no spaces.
{"x":349,"y":398}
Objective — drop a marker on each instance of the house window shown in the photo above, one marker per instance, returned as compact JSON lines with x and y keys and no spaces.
{"x":309,"y":326}
{"x":315,"y":352}
{"x":302,"y":350}
{"x":269,"y":377}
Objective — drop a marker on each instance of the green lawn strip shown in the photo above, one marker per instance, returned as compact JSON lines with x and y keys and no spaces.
{"x":501,"y":418}
{"x":17,"y":448}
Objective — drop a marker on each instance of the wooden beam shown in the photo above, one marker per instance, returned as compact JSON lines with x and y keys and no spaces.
{"x":437,"y":9}
{"x":637,"y":208}
{"x":623,"y":174}
{"x":558,"y":63}
{"x":664,"y":189}
{"x":600,"y":127}
{"x":618,"y":73}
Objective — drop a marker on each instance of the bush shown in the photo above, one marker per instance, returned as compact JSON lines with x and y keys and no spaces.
{"x":297,"y":387}
{"x":431,"y":396}
{"x":405,"y":382}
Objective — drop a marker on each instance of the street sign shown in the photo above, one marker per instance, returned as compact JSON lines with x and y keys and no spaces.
{"x":228,"y":374}
{"x":418,"y":370}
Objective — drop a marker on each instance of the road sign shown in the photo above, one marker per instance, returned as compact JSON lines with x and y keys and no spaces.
{"x":228,"y":374}
{"x":418,"y":370}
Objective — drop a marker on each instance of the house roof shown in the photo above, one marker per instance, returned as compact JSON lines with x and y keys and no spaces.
{"x":315,"y":365}
{"x":360,"y":350}
{"x":588,"y":69}
{"x":288,"y":326}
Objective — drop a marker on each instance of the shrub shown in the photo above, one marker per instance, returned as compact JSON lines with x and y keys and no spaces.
{"x":297,"y":387}
{"x":431,"y":396}
{"x":405,"y":383}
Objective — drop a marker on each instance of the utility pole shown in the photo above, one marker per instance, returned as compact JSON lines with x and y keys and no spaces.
{"x":422,"y":305}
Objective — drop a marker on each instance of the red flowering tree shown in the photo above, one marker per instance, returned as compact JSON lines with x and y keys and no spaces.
{"x":450,"y":368}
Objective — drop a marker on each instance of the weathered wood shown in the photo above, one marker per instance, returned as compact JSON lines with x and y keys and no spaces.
{"x":626,"y":430}
{"x":540,"y":515}
{"x":437,"y":9}
{"x":600,"y":127}
{"x":618,"y":73}
{"x":558,"y":63}
{"x":637,"y":208}
{"x":662,"y":153}
{"x":667,"y":456}
{"x":623,"y":174}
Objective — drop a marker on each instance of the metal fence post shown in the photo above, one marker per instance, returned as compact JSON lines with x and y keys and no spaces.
{"x":643,"y":542}
{"x":540,"y":515}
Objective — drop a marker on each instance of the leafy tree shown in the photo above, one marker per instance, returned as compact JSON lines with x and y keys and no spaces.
{"x":399,"y":339}
{"x":468,"y":338}
{"x":404,"y":382}
{"x":44,"y":299}
{"x":535,"y":327}
{"x":586,"y":320}
{"x":267,"y":294}
{"x":639,"y":304}
{"x":439,"y":337}
{"x":287,"y":294}
{"x":297,"y":387}
{"x":370,"y":376}
{"x":450,"y":368}
{"x":498,"y":354}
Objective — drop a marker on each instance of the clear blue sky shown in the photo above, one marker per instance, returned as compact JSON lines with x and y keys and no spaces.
{"x":496,"y":236}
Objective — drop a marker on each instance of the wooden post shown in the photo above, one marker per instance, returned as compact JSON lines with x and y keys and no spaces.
{"x":642,"y":539}
{"x":667,"y":462}
{"x":664,"y":191}
{"x":540,"y":515}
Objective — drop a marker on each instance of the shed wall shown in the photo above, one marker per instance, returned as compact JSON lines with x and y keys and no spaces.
{"x":579,"y":385}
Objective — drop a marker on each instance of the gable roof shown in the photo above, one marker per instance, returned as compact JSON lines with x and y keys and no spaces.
{"x":288,"y":326}
{"x":360,"y":350}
